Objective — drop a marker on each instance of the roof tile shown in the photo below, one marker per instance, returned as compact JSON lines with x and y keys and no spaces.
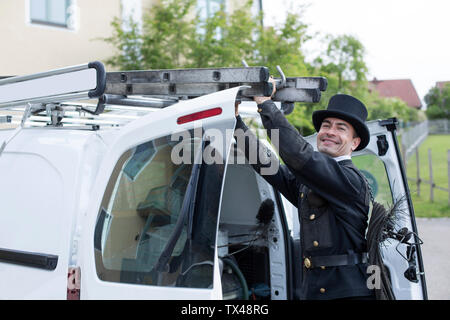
{"x":400,"y":88}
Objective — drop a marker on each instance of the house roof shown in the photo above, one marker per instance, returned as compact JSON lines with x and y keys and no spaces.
{"x":441,"y":84}
{"x":400,"y":88}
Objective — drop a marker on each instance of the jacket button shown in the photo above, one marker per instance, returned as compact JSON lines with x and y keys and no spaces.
{"x":259,"y":109}
{"x":301,"y":195}
{"x":322,"y":290}
{"x":322,"y":267}
{"x":307,"y":263}
{"x":312,"y":217}
{"x":315,"y":244}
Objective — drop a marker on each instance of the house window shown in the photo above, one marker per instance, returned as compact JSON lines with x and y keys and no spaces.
{"x":208,"y":8}
{"x":50,"y":12}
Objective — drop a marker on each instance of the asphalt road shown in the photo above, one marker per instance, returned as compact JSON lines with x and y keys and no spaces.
{"x":435,"y":233}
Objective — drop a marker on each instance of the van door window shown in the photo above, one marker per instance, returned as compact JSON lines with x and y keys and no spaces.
{"x":158,"y":219}
{"x":375,"y":172}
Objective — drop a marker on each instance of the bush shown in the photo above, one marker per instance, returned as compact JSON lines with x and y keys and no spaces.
{"x":382,"y":108}
{"x":438,"y":103}
{"x":300,"y":118}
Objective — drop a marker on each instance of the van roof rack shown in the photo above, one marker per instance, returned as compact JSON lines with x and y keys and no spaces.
{"x":57,"y":91}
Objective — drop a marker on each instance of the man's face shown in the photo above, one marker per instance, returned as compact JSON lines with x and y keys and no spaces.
{"x":337,"y":137}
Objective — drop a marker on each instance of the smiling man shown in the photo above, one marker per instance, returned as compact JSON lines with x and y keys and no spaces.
{"x":331,"y":195}
{"x":337,"y":137}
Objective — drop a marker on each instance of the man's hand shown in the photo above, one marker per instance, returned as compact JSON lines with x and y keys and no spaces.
{"x":260,"y":100}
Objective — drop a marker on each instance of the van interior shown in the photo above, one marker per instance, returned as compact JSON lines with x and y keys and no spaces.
{"x":245,"y":238}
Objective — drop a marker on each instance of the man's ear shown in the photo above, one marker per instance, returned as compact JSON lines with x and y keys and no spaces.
{"x":355,"y":143}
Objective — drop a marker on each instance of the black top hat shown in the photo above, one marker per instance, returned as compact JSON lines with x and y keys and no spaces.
{"x":347,"y":108}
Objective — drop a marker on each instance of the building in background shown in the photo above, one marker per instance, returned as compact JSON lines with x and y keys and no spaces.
{"x":39,"y":35}
{"x":400,"y":88}
{"x":442,"y":84}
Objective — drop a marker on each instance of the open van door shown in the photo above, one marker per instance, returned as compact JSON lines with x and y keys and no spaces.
{"x":381,"y":163}
{"x":150,"y":230}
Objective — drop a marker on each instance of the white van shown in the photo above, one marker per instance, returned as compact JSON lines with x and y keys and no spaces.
{"x":93,"y":206}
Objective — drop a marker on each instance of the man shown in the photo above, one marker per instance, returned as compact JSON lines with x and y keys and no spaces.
{"x":330,"y":193}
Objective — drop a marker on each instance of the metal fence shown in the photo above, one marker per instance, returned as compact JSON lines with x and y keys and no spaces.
{"x":418,"y":180}
{"x":439,"y":126}
{"x":413,"y":136}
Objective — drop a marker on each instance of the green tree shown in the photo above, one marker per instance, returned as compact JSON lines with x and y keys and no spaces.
{"x":223,"y":39}
{"x":342,"y":63}
{"x":344,"y":57}
{"x":166,"y":33}
{"x":383,"y":108}
{"x":174,"y":36}
{"x":300,"y":118}
{"x":126,"y":38}
{"x":438,"y":103}
{"x":163,"y":41}
{"x":283,"y":46}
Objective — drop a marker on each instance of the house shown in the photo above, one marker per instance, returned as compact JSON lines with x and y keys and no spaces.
{"x":442,"y":84}
{"x":399,"y":88}
{"x":40,"y":35}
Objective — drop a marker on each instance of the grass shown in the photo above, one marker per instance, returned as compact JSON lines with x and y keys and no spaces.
{"x":423,"y":207}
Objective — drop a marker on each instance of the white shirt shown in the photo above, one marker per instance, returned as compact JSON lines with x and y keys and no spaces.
{"x":347,"y":157}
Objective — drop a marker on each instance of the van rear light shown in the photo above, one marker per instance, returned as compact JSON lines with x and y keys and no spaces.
{"x":199,"y":115}
{"x":73,"y":283}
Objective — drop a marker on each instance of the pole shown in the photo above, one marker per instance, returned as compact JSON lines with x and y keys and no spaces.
{"x":431,"y":176}
{"x":404,"y":157}
{"x":418,"y":172}
{"x":448,"y":173}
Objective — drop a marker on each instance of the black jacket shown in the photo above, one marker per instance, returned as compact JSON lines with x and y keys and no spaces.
{"x":333,"y":202}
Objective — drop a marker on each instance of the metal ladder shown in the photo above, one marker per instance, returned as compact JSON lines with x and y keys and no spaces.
{"x":54,"y":94}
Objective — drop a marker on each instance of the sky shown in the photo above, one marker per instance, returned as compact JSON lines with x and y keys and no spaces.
{"x":404,"y":39}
